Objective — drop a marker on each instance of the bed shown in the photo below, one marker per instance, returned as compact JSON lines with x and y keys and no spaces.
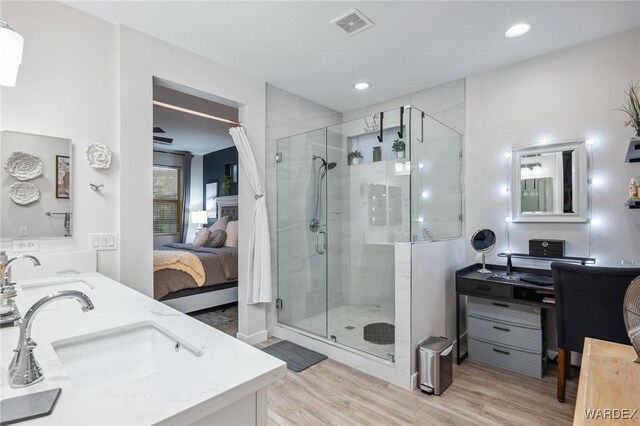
{"x":220,"y":267}
{"x":190,"y":277}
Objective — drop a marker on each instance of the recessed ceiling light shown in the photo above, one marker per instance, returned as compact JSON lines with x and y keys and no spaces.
{"x":517,"y":30}
{"x":361,"y":86}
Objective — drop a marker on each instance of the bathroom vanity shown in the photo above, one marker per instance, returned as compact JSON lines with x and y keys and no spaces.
{"x":135,"y":361}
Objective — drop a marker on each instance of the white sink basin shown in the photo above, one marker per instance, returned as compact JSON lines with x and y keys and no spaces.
{"x":45,"y":287}
{"x":119,"y":355}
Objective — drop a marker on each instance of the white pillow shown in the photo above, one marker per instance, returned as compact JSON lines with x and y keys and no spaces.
{"x":232,"y":234}
{"x":220,"y":224}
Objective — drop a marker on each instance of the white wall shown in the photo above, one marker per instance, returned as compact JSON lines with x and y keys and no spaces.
{"x":433,"y":291}
{"x":68,"y":87}
{"x":91,"y":81}
{"x":564,"y":95}
{"x":141,"y":59}
{"x":32,"y":216}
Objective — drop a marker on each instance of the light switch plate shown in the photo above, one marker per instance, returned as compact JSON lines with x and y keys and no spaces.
{"x":103,"y":242}
{"x":22,"y":246}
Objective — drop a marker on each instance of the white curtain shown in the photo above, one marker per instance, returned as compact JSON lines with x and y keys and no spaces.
{"x":259,"y":272}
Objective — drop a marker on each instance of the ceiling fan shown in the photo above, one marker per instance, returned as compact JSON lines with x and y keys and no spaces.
{"x":161,"y":139}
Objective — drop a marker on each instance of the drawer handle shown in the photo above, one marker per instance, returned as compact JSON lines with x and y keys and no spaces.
{"x":502,"y":305}
{"x":501,"y":352}
{"x":501,"y":328}
{"x":483,"y":288}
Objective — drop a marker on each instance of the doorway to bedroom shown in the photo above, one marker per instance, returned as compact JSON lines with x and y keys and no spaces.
{"x":195,"y":206}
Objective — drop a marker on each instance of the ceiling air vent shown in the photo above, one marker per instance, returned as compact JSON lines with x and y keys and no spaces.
{"x":353,"y":22}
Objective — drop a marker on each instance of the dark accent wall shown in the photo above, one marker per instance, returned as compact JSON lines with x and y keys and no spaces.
{"x":213,"y":168}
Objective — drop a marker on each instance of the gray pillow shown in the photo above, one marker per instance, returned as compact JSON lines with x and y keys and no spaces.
{"x":220,"y":224}
{"x":217,"y":238}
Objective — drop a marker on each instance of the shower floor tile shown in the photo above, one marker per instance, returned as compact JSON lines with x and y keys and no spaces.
{"x":347,"y":323}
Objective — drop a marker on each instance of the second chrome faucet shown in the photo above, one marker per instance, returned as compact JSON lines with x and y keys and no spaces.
{"x":8,"y":293}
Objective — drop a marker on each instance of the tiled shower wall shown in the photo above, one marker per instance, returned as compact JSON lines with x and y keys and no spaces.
{"x":287,"y":115}
{"x":445,"y":103}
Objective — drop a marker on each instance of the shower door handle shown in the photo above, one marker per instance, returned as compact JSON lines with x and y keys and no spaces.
{"x":322,"y":250}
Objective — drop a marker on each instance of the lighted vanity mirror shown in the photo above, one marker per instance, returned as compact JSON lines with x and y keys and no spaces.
{"x":35,"y":194}
{"x":549,"y":183}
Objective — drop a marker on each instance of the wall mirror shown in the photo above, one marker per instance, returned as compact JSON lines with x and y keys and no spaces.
{"x":35,"y":194}
{"x":549,"y":183}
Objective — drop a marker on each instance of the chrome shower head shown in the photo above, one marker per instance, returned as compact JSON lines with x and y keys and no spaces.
{"x":331,"y":165}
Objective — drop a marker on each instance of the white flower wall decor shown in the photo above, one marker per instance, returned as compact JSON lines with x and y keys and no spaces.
{"x":24,"y":193}
{"x":23,"y":166}
{"x":99,"y":156}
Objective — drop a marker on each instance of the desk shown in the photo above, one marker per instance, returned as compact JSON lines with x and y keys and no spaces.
{"x":609,"y":379}
{"x":471,"y":283}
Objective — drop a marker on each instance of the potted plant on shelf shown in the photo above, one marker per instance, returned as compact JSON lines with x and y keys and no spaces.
{"x":354,"y":157}
{"x":398,"y":147}
{"x":632,"y":108}
{"x":227,"y":184}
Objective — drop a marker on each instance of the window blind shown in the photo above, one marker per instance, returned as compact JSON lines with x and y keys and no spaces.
{"x":167,"y":200}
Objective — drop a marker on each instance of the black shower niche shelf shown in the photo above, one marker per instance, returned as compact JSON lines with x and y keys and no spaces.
{"x":633,"y":153}
{"x":633,"y":203}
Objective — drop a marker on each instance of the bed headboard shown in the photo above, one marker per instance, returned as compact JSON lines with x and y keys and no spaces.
{"x":228,"y":206}
{"x":231,"y":211}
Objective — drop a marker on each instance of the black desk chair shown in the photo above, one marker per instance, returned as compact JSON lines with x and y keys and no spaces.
{"x":588,"y":304}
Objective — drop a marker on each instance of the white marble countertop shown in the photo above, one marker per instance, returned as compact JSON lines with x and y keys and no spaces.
{"x":226,"y":371}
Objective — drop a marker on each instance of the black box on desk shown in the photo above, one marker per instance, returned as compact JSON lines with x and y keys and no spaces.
{"x":546,"y":248}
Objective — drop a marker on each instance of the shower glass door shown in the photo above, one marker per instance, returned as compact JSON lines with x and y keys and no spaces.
{"x":368,"y":211}
{"x":301,"y":231}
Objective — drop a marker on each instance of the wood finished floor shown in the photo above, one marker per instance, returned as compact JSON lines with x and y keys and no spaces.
{"x":333,"y":393}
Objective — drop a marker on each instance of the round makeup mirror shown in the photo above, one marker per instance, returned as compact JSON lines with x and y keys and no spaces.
{"x":483,"y":241}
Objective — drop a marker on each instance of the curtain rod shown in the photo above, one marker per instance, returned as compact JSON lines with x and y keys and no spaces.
{"x":192,"y":112}
{"x":173,"y":152}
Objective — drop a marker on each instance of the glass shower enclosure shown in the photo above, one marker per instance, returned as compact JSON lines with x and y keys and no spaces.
{"x":347,"y":194}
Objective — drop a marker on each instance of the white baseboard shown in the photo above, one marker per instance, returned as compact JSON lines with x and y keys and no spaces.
{"x":414,"y":380}
{"x":253,"y":339}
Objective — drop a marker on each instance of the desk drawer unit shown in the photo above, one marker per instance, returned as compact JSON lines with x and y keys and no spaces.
{"x":507,"y":334}
{"x":507,"y":312}
{"x":483,"y":289}
{"x":516,"y":360}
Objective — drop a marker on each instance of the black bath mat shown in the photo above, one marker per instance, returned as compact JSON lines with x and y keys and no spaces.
{"x":296,"y":357}
{"x":380,"y":333}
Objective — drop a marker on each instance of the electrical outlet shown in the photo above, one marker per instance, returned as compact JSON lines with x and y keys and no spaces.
{"x":102,"y":242}
{"x":21,"y":246}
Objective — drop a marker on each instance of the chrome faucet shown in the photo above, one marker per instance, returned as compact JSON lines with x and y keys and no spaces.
{"x":24,"y":370}
{"x":8,"y":293}
{"x":7,"y":267}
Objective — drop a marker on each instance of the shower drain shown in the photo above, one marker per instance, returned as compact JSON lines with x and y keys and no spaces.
{"x":349,"y":327}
